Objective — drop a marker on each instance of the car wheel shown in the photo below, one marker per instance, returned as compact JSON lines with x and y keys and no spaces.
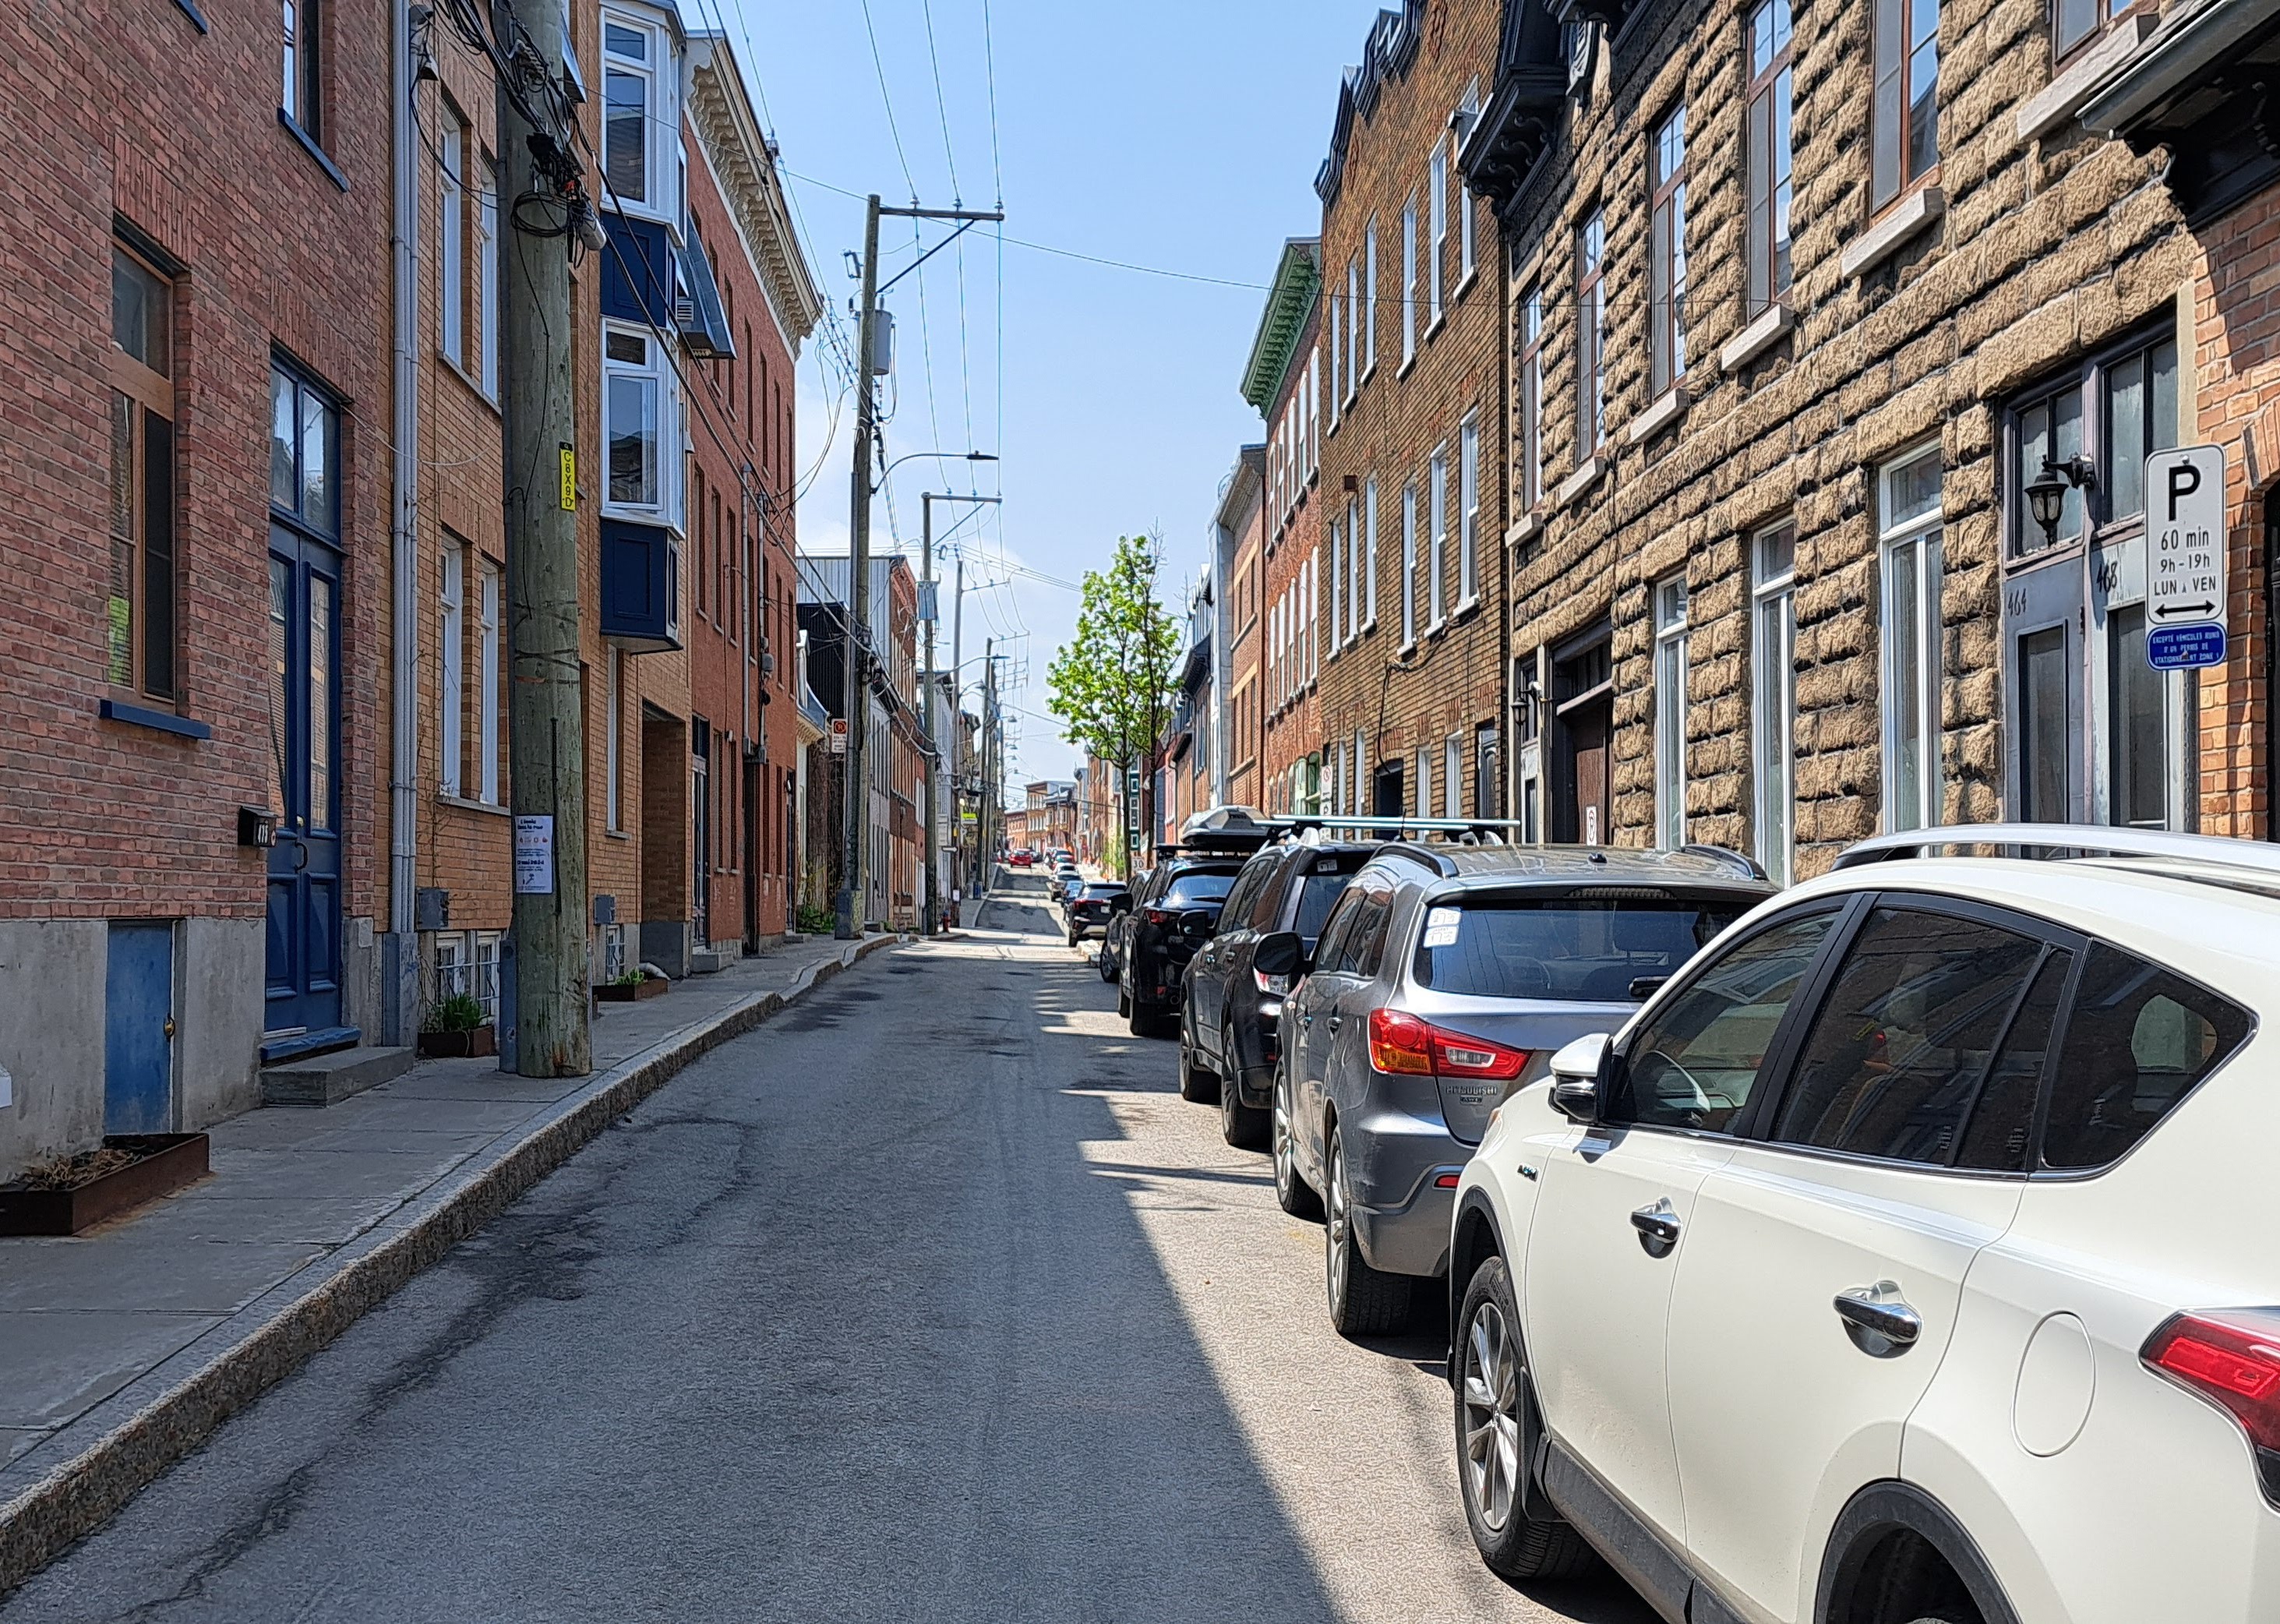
{"x":1242,"y":1126}
{"x":1138,"y":1019}
{"x":1292,"y":1193}
{"x":1107,"y":966}
{"x":1364,"y":1302}
{"x":1496,"y":1437}
{"x":1123,"y":1003}
{"x":1198,"y":1085}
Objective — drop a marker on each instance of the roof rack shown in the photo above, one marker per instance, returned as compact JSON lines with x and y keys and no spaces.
{"x":1483,"y":831}
{"x":2068,"y":841}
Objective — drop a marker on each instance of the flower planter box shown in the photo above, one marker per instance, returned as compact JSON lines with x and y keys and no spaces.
{"x":165,"y":1162}
{"x":633,"y":992}
{"x":472,"y":1045}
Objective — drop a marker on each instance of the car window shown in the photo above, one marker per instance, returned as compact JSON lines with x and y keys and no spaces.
{"x":1332,"y":946}
{"x":2003,"y":1123}
{"x":1589,"y":948}
{"x":1248,"y":884}
{"x":1318,"y":893}
{"x":2138,"y":1039}
{"x":1365,"y":943}
{"x":1902,"y":1046}
{"x":1696,"y":1061}
{"x":1189,"y":889}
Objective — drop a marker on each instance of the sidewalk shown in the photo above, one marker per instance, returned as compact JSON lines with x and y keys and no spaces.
{"x":121,"y":1349}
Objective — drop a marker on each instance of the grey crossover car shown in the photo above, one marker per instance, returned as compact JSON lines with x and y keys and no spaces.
{"x":1442,"y":981}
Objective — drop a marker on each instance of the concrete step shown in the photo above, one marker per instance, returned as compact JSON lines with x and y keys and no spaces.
{"x":328,"y":1079}
{"x":707,"y":961}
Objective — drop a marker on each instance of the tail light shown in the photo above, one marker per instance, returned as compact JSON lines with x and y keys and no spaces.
{"x":1401,"y":1045}
{"x":1161,"y":916}
{"x":2232,"y":1360}
{"x":1271,"y":986}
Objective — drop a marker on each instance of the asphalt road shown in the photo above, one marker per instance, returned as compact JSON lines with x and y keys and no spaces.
{"x":929,"y":1301}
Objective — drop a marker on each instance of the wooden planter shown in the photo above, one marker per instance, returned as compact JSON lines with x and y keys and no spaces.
{"x":472,"y":1045}
{"x":168,"y":1162}
{"x":633,"y":992}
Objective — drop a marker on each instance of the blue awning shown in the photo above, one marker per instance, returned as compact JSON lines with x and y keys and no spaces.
{"x":703,"y":324}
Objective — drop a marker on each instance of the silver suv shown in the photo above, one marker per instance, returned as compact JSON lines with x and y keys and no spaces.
{"x":1442,"y":982}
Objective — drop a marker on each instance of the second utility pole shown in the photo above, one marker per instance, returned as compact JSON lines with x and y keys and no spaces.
{"x":854,"y":889}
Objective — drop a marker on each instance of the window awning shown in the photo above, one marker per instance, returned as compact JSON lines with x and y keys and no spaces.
{"x":698,"y":312}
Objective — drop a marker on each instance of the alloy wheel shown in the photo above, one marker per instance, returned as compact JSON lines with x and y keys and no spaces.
{"x":1492,"y":1425}
{"x":1286,"y":1165}
{"x":1333,"y":1229}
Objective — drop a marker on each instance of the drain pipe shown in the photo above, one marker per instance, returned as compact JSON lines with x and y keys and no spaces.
{"x":400,"y":960}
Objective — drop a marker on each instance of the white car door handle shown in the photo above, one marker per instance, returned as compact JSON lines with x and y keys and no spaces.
{"x":1879,"y":1323}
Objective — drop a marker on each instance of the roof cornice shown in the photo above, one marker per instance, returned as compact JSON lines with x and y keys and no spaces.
{"x":744,"y":162}
{"x":1289,"y":301}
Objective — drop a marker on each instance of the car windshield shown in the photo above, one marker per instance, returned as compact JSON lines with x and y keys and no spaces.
{"x":1190,"y":890}
{"x":1590,"y":949}
{"x":1317,"y":893}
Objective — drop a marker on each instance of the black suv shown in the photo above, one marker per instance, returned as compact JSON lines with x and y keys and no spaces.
{"x":1089,"y":905}
{"x":1172,"y":915}
{"x":1228,"y":1025}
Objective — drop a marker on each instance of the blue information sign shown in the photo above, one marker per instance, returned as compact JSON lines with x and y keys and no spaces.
{"x":2183,"y":648}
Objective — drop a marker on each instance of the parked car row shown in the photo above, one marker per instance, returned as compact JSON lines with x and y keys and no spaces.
{"x":1888,"y":1249}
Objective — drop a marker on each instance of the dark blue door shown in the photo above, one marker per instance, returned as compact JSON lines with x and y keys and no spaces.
{"x":303,"y":993}
{"x":138,"y":1028}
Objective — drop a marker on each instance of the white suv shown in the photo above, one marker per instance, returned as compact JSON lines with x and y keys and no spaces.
{"x":1911,"y":1256}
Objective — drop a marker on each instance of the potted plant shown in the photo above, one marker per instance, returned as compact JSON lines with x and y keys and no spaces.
{"x":634,"y":985}
{"x":455,"y":1029}
{"x":71,"y":1193}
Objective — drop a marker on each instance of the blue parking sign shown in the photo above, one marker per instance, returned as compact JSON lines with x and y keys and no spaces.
{"x":2186,"y":648}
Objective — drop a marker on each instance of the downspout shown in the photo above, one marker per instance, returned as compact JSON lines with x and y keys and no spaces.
{"x":1220,"y":663}
{"x":401,"y":958}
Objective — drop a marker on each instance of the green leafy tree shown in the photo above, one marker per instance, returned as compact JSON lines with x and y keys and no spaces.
{"x":1111,"y":684}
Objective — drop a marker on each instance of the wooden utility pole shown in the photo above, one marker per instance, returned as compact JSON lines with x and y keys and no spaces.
{"x":546,"y":729}
{"x":934,"y":768}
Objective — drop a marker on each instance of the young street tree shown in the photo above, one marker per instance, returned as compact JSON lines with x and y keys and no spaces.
{"x":1111,"y":684}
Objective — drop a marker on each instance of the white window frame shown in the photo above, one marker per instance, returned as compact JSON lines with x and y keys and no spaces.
{"x":1424,"y":780}
{"x":1313,"y":613}
{"x":1438,"y":180}
{"x":1360,"y":775}
{"x":1468,"y":511}
{"x":489,"y":312}
{"x":1409,"y":566}
{"x":661,"y":157}
{"x":451,"y":239}
{"x":453,"y":970}
{"x":1468,"y":113}
{"x":653,"y":370}
{"x":1453,"y":776}
{"x":1409,"y":281}
{"x":1369,"y":298}
{"x":451,"y":648}
{"x":1437,"y":537}
{"x":1669,"y":603}
{"x":1337,"y":590}
{"x":1353,"y":569}
{"x":1353,"y":328}
{"x":483,"y":971}
{"x":1531,"y":400}
{"x":1370,"y":553}
{"x":1337,"y":348}
{"x":1909,"y":557}
{"x":1773,"y":649}
{"x":490,"y":619}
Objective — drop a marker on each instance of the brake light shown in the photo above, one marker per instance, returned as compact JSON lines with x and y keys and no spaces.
{"x":1401,"y":1045}
{"x":2232,"y":1360}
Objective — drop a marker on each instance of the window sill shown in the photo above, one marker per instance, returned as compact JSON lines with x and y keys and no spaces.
{"x":1405,"y":650}
{"x":158,"y":721}
{"x":309,"y":145}
{"x":1905,"y":219}
{"x":2070,"y":87}
{"x":1465,"y":282}
{"x":1582,"y":479}
{"x":1408,"y":362}
{"x":469,"y":378}
{"x":616,"y":834}
{"x":1755,"y":339}
{"x":1440,"y":318}
{"x":1524,"y":530}
{"x":1659,"y":416}
{"x":189,"y":9}
{"x":1466,"y":607}
{"x":466,"y":803}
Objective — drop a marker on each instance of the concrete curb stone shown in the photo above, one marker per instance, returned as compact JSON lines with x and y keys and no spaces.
{"x":77,"y":1481}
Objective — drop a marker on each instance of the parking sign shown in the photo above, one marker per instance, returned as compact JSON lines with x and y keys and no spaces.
{"x":2185,"y":576}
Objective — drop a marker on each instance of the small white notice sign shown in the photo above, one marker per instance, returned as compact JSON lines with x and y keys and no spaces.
{"x":534,"y":856}
{"x":1441,"y":927}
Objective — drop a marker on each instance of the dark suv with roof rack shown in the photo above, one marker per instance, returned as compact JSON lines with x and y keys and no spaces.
{"x":1177,"y":908}
{"x":1442,"y":982}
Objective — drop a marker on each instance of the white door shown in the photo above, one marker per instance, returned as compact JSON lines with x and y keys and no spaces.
{"x":1824,"y":1265}
{"x":1610,"y":1226}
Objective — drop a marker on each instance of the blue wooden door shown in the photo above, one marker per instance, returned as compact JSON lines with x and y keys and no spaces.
{"x":303,"y":991}
{"x":138,"y":1028}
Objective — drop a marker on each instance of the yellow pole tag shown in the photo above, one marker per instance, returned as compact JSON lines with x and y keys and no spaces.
{"x":569,"y":480}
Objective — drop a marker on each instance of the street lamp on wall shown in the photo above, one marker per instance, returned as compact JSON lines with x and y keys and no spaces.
{"x":2047,"y":495}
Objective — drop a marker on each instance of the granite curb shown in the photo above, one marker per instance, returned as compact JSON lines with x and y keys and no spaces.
{"x":76,"y":1480}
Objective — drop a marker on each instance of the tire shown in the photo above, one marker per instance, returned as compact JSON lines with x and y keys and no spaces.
{"x":1242,"y":1126}
{"x":1199,"y":1086}
{"x":1364,"y":1302}
{"x":1292,"y":1193}
{"x":1138,"y":1019}
{"x":1105,"y":965}
{"x":1497,"y":1430}
{"x":1124,"y":1004}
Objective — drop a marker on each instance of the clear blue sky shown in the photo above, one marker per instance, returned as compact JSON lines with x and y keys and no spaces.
{"x":1183,"y":135}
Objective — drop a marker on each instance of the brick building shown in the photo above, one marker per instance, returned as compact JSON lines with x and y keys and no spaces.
{"x":1413,"y":689}
{"x":1775,"y":581}
{"x":194,"y":452}
{"x":1282,"y":382}
{"x":1239,"y":559}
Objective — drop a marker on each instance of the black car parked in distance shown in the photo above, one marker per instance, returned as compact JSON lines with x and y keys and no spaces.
{"x":1173,"y":916}
{"x":1110,"y":959}
{"x":1091,"y":905}
{"x":1229,"y":1032}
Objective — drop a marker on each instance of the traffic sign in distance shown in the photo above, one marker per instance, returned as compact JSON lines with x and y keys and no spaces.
{"x":2184,"y":647}
{"x":2185,"y":535}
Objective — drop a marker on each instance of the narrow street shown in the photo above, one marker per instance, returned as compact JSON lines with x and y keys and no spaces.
{"x":929,"y":1301}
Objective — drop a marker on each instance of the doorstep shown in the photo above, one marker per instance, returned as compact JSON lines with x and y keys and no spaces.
{"x":328,"y":1079}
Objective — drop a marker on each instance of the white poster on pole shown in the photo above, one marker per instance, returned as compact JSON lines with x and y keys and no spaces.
{"x":534,"y":856}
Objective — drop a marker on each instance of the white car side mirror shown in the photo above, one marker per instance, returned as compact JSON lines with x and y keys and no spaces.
{"x":1575,"y":1077}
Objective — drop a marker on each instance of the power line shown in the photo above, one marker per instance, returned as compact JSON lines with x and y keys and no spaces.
{"x":887,"y":102}
{"x":941,"y":104}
